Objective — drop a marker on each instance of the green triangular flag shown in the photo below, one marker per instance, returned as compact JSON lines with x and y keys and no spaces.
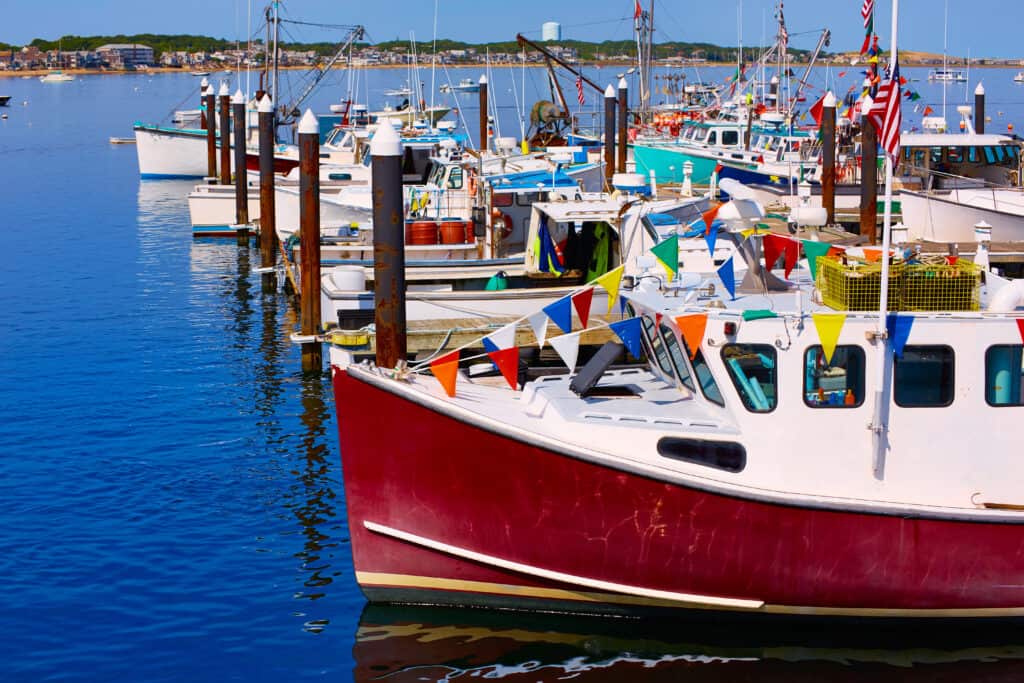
{"x":813,"y":251}
{"x":668,"y":253}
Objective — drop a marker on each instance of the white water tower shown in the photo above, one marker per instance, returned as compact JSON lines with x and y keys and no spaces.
{"x":551,"y":30}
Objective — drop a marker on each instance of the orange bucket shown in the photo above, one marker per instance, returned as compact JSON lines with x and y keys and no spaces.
{"x":420,"y":232}
{"x":454,"y":232}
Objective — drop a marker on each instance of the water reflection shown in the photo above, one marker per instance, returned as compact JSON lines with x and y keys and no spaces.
{"x":430,"y":644}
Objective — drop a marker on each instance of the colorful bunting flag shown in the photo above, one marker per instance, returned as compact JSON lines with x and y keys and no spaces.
{"x":818,"y":110}
{"x":872,"y":255}
{"x":539,"y":324}
{"x":581,"y":302}
{"x":728,"y":277}
{"x":711,"y":237}
{"x":568,"y":348}
{"x":611,"y":282}
{"x":446,"y":370}
{"x":507,"y":362}
{"x":709,"y":218}
{"x":814,"y":251}
{"x":898,"y":328}
{"x":503,"y":338}
{"x":667,"y":253}
{"x":692,"y":328}
{"x":829,"y":325}
{"x":628,"y":331}
{"x":776,"y":246}
{"x":1020,"y":327}
{"x":560,"y":313}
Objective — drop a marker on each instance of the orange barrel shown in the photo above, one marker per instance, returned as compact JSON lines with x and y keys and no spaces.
{"x":470,"y":237}
{"x":421,"y":232}
{"x":453,"y":231}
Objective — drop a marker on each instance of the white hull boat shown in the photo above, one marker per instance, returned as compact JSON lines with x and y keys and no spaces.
{"x":211,"y":209}
{"x":950,"y":216}
{"x":170,"y":152}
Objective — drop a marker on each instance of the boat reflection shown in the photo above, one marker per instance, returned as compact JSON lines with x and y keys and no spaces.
{"x":427,"y":644}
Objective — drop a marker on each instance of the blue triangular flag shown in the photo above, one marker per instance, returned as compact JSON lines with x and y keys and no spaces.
{"x":728,"y":276}
{"x":628,"y":331}
{"x":560,"y":313}
{"x":711,"y":238}
{"x":489,"y":346}
{"x":898,"y":328}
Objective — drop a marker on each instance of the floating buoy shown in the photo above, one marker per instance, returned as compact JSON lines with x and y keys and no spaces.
{"x":1009,"y":126}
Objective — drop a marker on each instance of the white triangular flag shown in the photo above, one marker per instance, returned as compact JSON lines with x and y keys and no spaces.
{"x":505,"y":337}
{"x":568,"y":347}
{"x":539,"y":323}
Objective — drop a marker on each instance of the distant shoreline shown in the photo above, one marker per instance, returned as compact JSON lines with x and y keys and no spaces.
{"x":34,"y":73}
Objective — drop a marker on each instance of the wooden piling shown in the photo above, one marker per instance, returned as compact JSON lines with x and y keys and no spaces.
{"x":268,"y":224}
{"x":225,"y":134}
{"x":485,"y":142}
{"x":828,"y":157}
{"x":211,"y":134}
{"x":979,"y":109}
{"x":202,"y":103}
{"x":388,"y":247}
{"x":241,"y":174}
{"x":623,"y":148}
{"x":609,"y":135}
{"x":868,"y":176}
{"x":309,"y":237}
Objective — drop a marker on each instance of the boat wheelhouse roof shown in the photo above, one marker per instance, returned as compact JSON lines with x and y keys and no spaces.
{"x":955,"y":140}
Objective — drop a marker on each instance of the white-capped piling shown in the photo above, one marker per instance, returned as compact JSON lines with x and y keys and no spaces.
{"x":268,"y":224}
{"x":623,"y":123}
{"x":979,"y":109}
{"x":241,"y":175}
{"x":828,"y":157}
{"x":609,"y":134}
{"x":211,"y":134}
{"x":225,"y":134}
{"x":388,"y":246}
{"x":485,"y":142}
{"x":309,"y":236}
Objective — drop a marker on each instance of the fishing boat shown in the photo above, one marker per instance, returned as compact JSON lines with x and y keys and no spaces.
{"x":404,"y":91}
{"x":1019,"y":78}
{"x":56,"y":77}
{"x":464,"y":85}
{"x":948,"y":75}
{"x":200,"y":73}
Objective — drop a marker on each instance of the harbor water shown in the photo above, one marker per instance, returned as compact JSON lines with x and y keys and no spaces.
{"x":171,"y":500}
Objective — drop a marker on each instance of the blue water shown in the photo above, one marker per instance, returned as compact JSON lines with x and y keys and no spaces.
{"x":171,"y":504}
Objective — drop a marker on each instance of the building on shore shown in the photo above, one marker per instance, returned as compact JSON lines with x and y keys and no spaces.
{"x":551,"y":30}
{"x":126,"y":55}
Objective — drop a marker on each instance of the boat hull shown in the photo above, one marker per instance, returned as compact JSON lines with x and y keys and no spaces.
{"x":212,"y":209}
{"x":165,"y":153}
{"x":938,"y":218}
{"x":447,"y":508}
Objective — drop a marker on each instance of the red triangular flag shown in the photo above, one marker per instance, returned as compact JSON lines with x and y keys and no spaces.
{"x":818,"y":110}
{"x":709,"y":218}
{"x":1020,"y":327}
{"x":581,"y":301}
{"x":507,"y":361}
{"x":446,"y":370}
{"x":719,"y":167}
{"x":760,"y":158}
{"x":792,"y":252}
{"x":773,"y":248}
{"x":657,"y":318}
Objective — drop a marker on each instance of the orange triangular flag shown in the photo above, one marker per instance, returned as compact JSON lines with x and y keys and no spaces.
{"x":872,"y":255}
{"x":446,"y":370}
{"x":709,"y":218}
{"x":507,"y":361}
{"x":581,"y":301}
{"x":692,"y":327}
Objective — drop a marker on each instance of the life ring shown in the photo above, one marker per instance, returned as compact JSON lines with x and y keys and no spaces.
{"x":471,"y":184}
{"x":501,"y":223}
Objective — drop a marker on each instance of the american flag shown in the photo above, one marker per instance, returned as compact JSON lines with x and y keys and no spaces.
{"x":865,"y":11}
{"x":579,"y":90}
{"x":885,"y":113}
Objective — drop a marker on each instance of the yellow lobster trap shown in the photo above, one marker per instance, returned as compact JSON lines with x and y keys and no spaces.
{"x":927,"y":286}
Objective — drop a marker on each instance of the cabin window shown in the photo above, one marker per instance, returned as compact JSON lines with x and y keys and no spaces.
{"x":730,"y":137}
{"x":455,"y":178}
{"x":502,"y":198}
{"x":990,"y":155}
{"x":919,"y":158}
{"x":657,"y":347}
{"x":839,"y":384}
{"x":676,"y":354}
{"x":527,"y":198}
{"x":936,"y":154}
{"x":713,"y":137}
{"x":706,"y":380}
{"x":723,"y":455}
{"x":752,"y":369}
{"x":1000,"y":153}
{"x":1013,"y":152}
{"x":923,"y":377}
{"x":956,"y":155}
{"x":972,"y":155}
{"x":1004,"y":375}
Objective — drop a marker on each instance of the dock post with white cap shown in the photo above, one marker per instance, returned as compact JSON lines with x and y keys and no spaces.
{"x":979,"y":109}
{"x":211,"y":133}
{"x":828,"y":157}
{"x":241,"y":175}
{"x":609,"y":134}
{"x":485,"y":142}
{"x":623,"y":123}
{"x":388,"y":247}
{"x":268,"y":225}
{"x":225,"y":134}
{"x":202,"y":103}
{"x":868,"y":174}
{"x":309,"y":237}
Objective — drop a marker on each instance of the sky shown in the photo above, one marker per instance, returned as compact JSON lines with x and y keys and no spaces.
{"x":984,"y":28}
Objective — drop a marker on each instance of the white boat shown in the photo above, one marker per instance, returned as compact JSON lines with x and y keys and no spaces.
{"x":165,"y":152}
{"x":951,"y":215}
{"x":211,"y":209}
{"x":1019,"y":78}
{"x":200,"y":73}
{"x":409,"y":115}
{"x":56,"y":77}
{"x":949,"y":75}
{"x":404,"y":91}
{"x":464,"y":85}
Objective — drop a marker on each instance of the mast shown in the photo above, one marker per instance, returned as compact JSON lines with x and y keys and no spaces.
{"x":878,"y":426}
{"x":275,"y":97}
{"x":945,"y":50}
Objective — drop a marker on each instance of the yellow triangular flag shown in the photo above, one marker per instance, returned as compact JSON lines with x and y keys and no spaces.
{"x":668,"y":271}
{"x":611,"y":281}
{"x":829,"y":325}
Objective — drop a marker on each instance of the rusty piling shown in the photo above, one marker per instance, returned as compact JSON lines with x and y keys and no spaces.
{"x":309,"y":237}
{"x":868,"y":176}
{"x":979,"y":109}
{"x":241,"y":174}
{"x":485,"y":141}
{"x":609,"y":135}
{"x":389,"y":245}
{"x":268,"y":225}
{"x":211,"y":134}
{"x":225,"y":134}
{"x":828,"y":157}
{"x":623,"y":148}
